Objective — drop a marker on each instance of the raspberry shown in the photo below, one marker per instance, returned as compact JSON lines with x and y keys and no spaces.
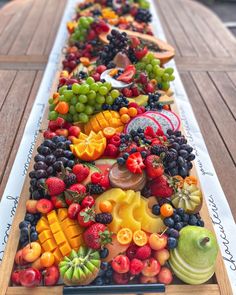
{"x":115,"y":140}
{"x":105,"y":183}
{"x":111,"y":150}
{"x":143,"y":252}
{"x":136,"y":266}
{"x":131,"y":251}
{"x":133,"y":105}
{"x":96,"y":177}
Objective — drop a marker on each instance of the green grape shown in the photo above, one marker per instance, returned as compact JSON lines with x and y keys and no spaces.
{"x":68,"y":94}
{"x":169,"y":71}
{"x":62,"y":88}
{"x":76,"y":88}
{"x":165,"y":85}
{"x":145,"y":59}
{"x":94,"y":87}
{"x":82,"y":98}
{"x":91,"y":101}
{"x":160,"y":72}
{"x":91,"y":94}
{"x":50,"y":101}
{"x":62,"y":116}
{"x":99,"y":83}
{"x":83,"y":31}
{"x":84,"y":88}
{"x":150,"y":56}
{"x":171,"y":78}
{"x":72,"y":110}
{"x":98,"y":107}
{"x":76,"y":117}
{"x":155,"y":62}
{"x":90,"y":19}
{"x":151,"y":76}
{"x":103,"y":90}
{"x":62,"y":98}
{"x":100,"y":99}
{"x":52,"y":107}
{"x":115,"y":93}
{"x":165,"y":77}
{"x":74,"y":100}
{"x":88,"y":110}
{"x":90,"y":80}
{"x":107,"y":85}
{"x":80,"y":107}
{"x":109,"y":100}
{"x":69,"y":118}
{"x":156,"y":69}
{"x":52,"y":115}
{"x":148,"y":68}
{"x":84,"y":22}
{"x":83,"y":118}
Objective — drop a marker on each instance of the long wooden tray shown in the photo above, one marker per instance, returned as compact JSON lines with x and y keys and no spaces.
{"x":218,"y":285}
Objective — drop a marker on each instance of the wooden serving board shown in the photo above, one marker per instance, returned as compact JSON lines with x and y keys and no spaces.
{"x":218,"y":285}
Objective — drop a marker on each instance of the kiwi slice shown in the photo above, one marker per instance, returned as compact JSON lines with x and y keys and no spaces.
{"x":189,"y":198}
{"x":81,"y":267}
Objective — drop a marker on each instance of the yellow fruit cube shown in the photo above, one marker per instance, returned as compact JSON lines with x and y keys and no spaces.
{"x":103,"y":123}
{"x":49,"y":245}
{"x":60,"y":237}
{"x":55,"y":227}
{"x":67,"y":222}
{"x":65,"y":249}
{"x":107,"y":115}
{"x":57,"y":255}
{"x":73,"y":231}
{"x":76,"y":241}
{"x":52,"y":217}
{"x":95,"y":126}
{"x":45,"y":235}
{"x":115,"y":114}
{"x":42,"y":225}
{"x":100,"y":116}
{"x":87,"y":128}
{"x":62,"y":213}
{"x":120,"y":129}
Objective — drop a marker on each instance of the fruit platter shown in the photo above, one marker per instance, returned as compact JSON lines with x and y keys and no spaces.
{"x":112,"y":202}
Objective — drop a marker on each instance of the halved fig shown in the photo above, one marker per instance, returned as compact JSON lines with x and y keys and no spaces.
{"x":162,"y":50}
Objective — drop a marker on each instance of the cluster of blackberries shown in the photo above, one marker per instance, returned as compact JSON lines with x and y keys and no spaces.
{"x":53,"y":156}
{"x":143,"y":15}
{"x":94,"y":189}
{"x":117,"y":42}
{"x":179,"y":156}
{"x":118,"y":103}
{"x":153,"y":102}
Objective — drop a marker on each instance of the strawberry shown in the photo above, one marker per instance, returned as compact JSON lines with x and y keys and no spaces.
{"x":97,"y":235}
{"x":154,"y":166}
{"x":75,"y":193}
{"x":59,"y":201}
{"x":111,"y":150}
{"x":160,"y":187}
{"x":81,"y":171}
{"x":127,"y":92}
{"x":74,"y":210}
{"x":104,"y":182}
{"x":88,"y":201}
{"x":96,"y":177}
{"x":135,"y":42}
{"x":136,"y":266}
{"x":139,"y":54}
{"x":135,"y":163}
{"x":86,"y":217}
{"x":143,"y":252}
{"x":55,"y":186}
{"x":149,"y":88}
{"x":100,"y":69}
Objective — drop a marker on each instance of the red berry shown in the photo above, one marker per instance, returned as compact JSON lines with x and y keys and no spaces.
{"x":91,"y":35}
{"x":44,"y":206}
{"x":127,"y":92}
{"x":52,"y":125}
{"x":149,"y":88}
{"x":88,"y":201}
{"x":74,"y":131}
{"x":133,"y":105}
{"x":136,"y":266}
{"x":135,"y":91}
{"x":96,"y":177}
{"x":15,"y":277}
{"x":55,"y":186}
{"x":96,"y":77}
{"x":49,"y":134}
{"x":104,"y":182}
{"x":115,"y":140}
{"x":131,"y":251}
{"x":143,"y":78}
{"x":111,"y":150}
{"x":100,"y":69}
{"x":74,"y":210}
{"x":143,"y":252}
{"x":81,"y":171}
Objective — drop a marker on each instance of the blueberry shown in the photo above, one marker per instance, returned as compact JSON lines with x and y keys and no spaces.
{"x":136,"y":138}
{"x":172,"y":243}
{"x":185,"y":217}
{"x":192,"y":220}
{"x":23,"y":224}
{"x":127,"y":137}
{"x":125,"y":156}
{"x":156,"y":209}
{"x":179,"y":225}
{"x":29,"y":217}
{"x":23,"y":239}
{"x":200,"y":223}
{"x":39,"y":158}
{"x":109,"y":273}
{"x":32,"y":229}
{"x":34,"y":236}
{"x":24,"y":232}
{"x":139,"y":130}
{"x":169,"y":222}
{"x":49,"y":143}
{"x":120,"y":161}
{"x":70,"y":163}
{"x":180,"y":211}
{"x":68,"y":154}
{"x":123,"y":140}
{"x":104,"y":253}
{"x":178,"y":133}
{"x":143,"y":154}
{"x":173,"y":233}
{"x":177,"y":218}
{"x":68,"y":143}
{"x":99,"y":281}
{"x":104,"y":265}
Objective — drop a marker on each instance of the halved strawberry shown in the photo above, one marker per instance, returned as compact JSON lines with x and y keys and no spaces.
{"x":135,"y":163}
{"x":139,"y":54}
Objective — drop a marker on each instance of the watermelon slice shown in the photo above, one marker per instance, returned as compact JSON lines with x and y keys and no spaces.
{"x":142,"y":121}
{"x":173,"y":118}
{"x":163,"y":120}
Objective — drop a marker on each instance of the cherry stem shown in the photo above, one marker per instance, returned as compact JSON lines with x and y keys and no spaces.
{"x":29,"y":235}
{"x":204,"y":241}
{"x":163,"y":231}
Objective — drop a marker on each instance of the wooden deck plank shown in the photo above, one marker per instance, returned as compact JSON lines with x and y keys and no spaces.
{"x":11,"y":113}
{"x":226,"y":89}
{"x":218,"y":152}
{"x":41,"y":34}
{"x":203,"y":28}
{"x":27,"y":31}
{"x":20,"y":132}
{"x":185,"y":48}
{"x":218,"y":110}
{"x":6,"y":79}
{"x":11,"y":31}
{"x":232,"y":76}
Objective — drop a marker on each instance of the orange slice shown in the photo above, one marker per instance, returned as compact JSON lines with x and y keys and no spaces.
{"x":109,"y":132}
{"x":140,"y":238}
{"x":124,"y":236}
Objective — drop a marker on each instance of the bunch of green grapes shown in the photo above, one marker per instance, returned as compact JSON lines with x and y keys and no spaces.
{"x":82,"y":29}
{"x":151,"y":66}
{"x":83,"y":100}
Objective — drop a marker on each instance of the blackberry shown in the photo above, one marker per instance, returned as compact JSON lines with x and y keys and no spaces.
{"x":104,"y":218}
{"x":70,"y":179}
{"x":158,"y":149}
{"x":94,"y":189}
{"x":143,"y":15}
{"x":131,"y":55}
{"x":170,"y":156}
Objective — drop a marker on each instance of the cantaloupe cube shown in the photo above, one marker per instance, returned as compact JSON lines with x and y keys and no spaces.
{"x":49,"y":245}
{"x":62,"y":213}
{"x":45,"y":235}
{"x":52,"y":217}
{"x":42,"y":225}
{"x":65,"y":249}
{"x":55,"y":227}
{"x":60,"y":237}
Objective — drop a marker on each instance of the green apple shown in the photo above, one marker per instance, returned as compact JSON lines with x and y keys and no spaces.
{"x":193,"y":261}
